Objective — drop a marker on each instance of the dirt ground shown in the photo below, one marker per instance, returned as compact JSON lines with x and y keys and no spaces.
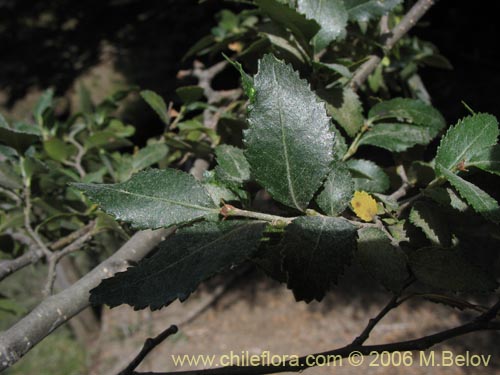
{"x":258,"y":314}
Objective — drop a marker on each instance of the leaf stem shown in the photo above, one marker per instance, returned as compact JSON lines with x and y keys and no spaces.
{"x":278,"y":221}
{"x":355,"y":143}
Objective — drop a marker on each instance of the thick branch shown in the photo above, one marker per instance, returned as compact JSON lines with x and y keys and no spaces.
{"x":409,"y":20}
{"x":59,"y":308}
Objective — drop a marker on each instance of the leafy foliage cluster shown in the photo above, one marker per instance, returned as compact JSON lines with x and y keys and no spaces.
{"x":297,"y":130}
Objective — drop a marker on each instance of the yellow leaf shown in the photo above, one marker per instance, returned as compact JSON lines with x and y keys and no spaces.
{"x":364,"y":206}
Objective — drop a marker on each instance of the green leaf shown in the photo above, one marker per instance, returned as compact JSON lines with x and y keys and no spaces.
{"x":384,"y":262}
{"x":58,"y":149}
{"x":422,"y":122}
{"x":183,"y":261}
{"x":43,"y":103}
{"x":246,"y":80}
{"x":446,"y":197}
{"x":347,"y":111}
{"x":85,"y":99}
{"x":233,"y":166}
{"x":220,"y":194}
{"x":219,"y":191}
{"x":189,"y":94}
{"x":316,"y":250}
{"x":488,"y":159}
{"x":365,"y":10}
{"x":413,"y":111}
{"x":337,"y":190}
{"x":368,"y":176}
{"x":466,"y":139}
{"x":8,"y":177}
{"x":340,"y":145}
{"x":478,"y":199}
{"x":395,"y":137}
{"x":289,"y":143}
{"x":8,"y":152}
{"x":428,"y":218}
{"x":153,"y":199}
{"x":156,"y":102}
{"x":448,"y":269}
{"x":19,"y":136}
{"x":148,"y":156}
{"x":303,"y":29}
{"x":333,"y":68}
{"x":105,"y":139}
{"x":331,"y":15}
{"x":119,"y":129}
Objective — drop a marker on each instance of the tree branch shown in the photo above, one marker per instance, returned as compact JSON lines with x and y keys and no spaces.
{"x":85,"y":234}
{"x":482,"y":322}
{"x":149,"y":345}
{"x":408,"y":21}
{"x":59,"y":308}
{"x":34,"y":254}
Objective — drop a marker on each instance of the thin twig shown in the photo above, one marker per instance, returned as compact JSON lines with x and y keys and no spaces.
{"x":149,"y":345}
{"x":405,"y":184}
{"x":408,"y":21}
{"x":86,"y":233}
{"x":27,"y":223}
{"x":35,"y":253}
{"x":393,"y":303}
{"x":482,"y":322}
{"x":8,"y":267}
{"x":11,"y":195}
{"x":202,"y":307}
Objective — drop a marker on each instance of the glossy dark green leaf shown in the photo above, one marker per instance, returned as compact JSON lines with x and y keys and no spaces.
{"x":396,"y":137}
{"x":19,"y":136}
{"x":8,"y":152}
{"x":466,"y":139}
{"x":446,"y":197}
{"x":333,"y":68}
{"x":156,"y":102}
{"x":340,"y":144}
{"x":448,"y":269}
{"x":368,"y":176}
{"x":297,"y":23}
{"x":8,"y":177}
{"x":289,"y":142}
{"x":384,"y":262}
{"x":149,"y":155}
{"x":331,"y":15}
{"x":246,"y":80}
{"x":189,"y":94}
{"x":432,"y":222}
{"x":347,"y":111}
{"x":337,"y":190}
{"x":413,"y":111}
{"x":153,"y":198}
{"x":316,"y":250}
{"x":488,"y":159}
{"x":183,"y":261}
{"x":232,"y":164}
{"x":365,"y":10}
{"x":477,"y":198}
